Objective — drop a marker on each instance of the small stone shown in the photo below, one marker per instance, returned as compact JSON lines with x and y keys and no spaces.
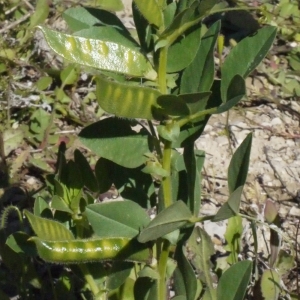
{"x":295,"y":211}
{"x":276,"y":121}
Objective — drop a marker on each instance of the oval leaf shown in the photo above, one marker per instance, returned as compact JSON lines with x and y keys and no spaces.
{"x":170,"y":219}
{"x":248,"y":53}
{"x":112,"y":219}
{"x":115,"y":140}
{"x":233,"y":283}
{"x":151,"y":11}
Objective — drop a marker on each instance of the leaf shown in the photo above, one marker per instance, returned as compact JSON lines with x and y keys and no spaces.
{"x":115,"y":140}
{"x":69,"y":75}
{"x":233,"y":237}
{"x":202,"y":252}
{"x":194,"y":160}
{"x":173,"y":217}
{"x":239,"y":164}
{"x":114,"y":219}
{"x":43,"y":83}
{"x":236,"y":91}
{"x":151,"y":11}
{"x":119,"y":272}
{"x":182,"y":52}
{"x":185,"y":280}
{"x":284,"y":263}
{"x":99,"y":54}
{"x":169,"y":132}
{"x":18,"y":242}
{"x":199,"y":75}
{"x":88,"y":176}
{"x":113,"y":5}
{"x":48,"y":230}
{"x":125,"y":100}
{"x":268,"y":287}
{"x":40,"y":14}
{"x":248,"y":53}
{"x":79,"y":18}
{"x":12,"y":139}
{"x":231,"y":207}
{"x":234,"y":282}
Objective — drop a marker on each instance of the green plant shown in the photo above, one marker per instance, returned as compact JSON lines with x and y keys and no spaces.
{"x":161,"y":90}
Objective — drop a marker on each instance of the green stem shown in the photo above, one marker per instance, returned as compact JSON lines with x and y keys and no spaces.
{"x":199,"y":114}
{"x":162,"y":269}
{"x":89,"y":279}
{"x":162,"y":70}
{"x":166,"y":182}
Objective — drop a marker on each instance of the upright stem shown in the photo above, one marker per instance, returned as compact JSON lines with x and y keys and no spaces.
{"x":162,"y":269}
{"x":89,"y":279}
{"x":166,"y":182}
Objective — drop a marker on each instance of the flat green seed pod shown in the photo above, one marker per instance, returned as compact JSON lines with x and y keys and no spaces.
{"x":104,"y":55}
{"x":80,"y":251}
{"x":127,"y":101}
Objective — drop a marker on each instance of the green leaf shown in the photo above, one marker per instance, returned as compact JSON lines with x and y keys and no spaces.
{"x":40,"y":14}
{"x":125,"y":100}
{"x":88,"y":176}
{"x":268,"y":287}
{"x":195,"y":102}
{"x":284,"y":263}
{"x":233,"y":237}
{"x":149,"y":290}
{"x":43,"y":83}
{"x":246,"y":56}
{"x":113,"y":5}
{"x":114,"y":219}
{"x":59,"y":204}
{"x":48,"y":229}
{"x":69,"y":75}
{"x":194,"y":160}
{"x":149,"y":272}
{"x":234,"y":282}
{"x":144,"y":30}
{"x":172,"y":105}
{"x":41,"y":208}
{"x":236,"y":91}
{"x":169,"y":132}
{"x":99,"y":54}
{"x":185,"y":278}
{"x":12,"y":138}
{"x":103,"y":170}
{"x":107,"y":137}
{"x":18,"y":242}
{"x":151,"y":11}
{"x":231,"y":207}
{"x":119,"y":272}
{"x":201,"y":259}
{"x":183,"y":51}
{"x":239,"y":164}
{"x":79,"y":18}
{"x":199,"y":75}
{"x":173,"y":217}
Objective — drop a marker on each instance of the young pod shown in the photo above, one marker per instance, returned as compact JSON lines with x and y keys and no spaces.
{"x":80,"y":251}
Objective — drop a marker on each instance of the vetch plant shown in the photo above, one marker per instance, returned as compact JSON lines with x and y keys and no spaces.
{"x":159,"y":88}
